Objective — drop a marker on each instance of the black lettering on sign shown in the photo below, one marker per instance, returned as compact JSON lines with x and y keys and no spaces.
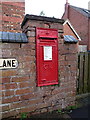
{"x":8,"y":63}
{"x":13,"y":63}
{"x":4,"y":63}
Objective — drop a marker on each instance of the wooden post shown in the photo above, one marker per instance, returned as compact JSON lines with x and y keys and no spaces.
{"x":81,"y":75}
{"x":89,"y":72}
{"x":85,"y":72}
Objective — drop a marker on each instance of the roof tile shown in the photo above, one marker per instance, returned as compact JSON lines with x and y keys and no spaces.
{"x":83,"y":11}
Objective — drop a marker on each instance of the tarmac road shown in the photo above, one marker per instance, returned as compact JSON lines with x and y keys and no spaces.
{"x":81,"y":113}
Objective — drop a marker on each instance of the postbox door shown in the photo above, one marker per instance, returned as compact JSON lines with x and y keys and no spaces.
{"x":48,"y":65}
{"x":47,"y":61}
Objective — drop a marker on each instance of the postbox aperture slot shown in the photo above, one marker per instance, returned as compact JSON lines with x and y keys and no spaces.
{"x":46,"y":40}
{"x":48,"y":37}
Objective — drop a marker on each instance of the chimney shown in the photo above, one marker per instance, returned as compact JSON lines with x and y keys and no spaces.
{"x":66,"y":13}
{"x":12,"y":14}
{"x":67,"y":9}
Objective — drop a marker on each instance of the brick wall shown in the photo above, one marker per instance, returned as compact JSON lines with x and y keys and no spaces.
{"x":11,"y":16}
{"x":19,"y":91}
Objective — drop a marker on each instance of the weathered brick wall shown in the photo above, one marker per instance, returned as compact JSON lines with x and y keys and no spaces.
{"x":11,"y":16}
{"x":19,"y":91}
{"x":0,"y":83}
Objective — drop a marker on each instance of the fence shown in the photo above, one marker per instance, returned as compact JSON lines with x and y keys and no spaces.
{"x":83,"y":81}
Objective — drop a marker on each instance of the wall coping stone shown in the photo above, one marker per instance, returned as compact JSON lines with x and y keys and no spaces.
{"x":41,"y":18}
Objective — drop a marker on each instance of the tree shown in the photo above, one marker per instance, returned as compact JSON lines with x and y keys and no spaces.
{"x":42,"y":13}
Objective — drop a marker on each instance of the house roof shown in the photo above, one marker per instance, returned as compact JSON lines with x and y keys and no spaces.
{"x":74,"y":31}
{"x":83,"y":11}
{"x":13,"y":37}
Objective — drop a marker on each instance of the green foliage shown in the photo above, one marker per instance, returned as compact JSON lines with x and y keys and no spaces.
{"x":71,"y":107}
{"x":23,"y":116}
{"x":67,"y":110}
{"x":59,"y":111}
{"x":42,"y":13}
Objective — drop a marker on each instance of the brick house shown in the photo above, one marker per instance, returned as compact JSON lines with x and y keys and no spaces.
{"x":19,"y":90}
{"x":80,"y":19}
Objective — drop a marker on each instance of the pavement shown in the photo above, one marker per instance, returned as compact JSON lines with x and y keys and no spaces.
{"x":76,"y":114}
{"x":81,"y":113}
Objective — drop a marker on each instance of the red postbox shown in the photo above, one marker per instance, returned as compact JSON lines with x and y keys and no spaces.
{"x":47,"y":56}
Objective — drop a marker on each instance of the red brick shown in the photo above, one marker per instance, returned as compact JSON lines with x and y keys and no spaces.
{"x":10,"y":99}
{"x":11,"y":86}
{"x":5,"y":108}
{"x":26,"y":58}
{"x":26,"y":65}
{"x":20,"y":52}
{"x":8,"y":73}
{"x":5,"y":80}
{"x":61,"y":57}
{"x":9,"y":93}
{"x":23,"y":91}
{"x":10,"y":46}
{"x":9,"y":114}
{"x":24,"y":84}
{"x":55,"y":91}
{"x":73,"y":68}
{"x":63,"y":63}
{"x":3,"y":86}
{"x":11,"y":19}
{"x":71,"y":57}
{"x":35,"y":101}
{"x":28,"y":96}
{"x":6,"y":53}
{"x":29,"y":46}
{"x":71,"y":50}
{"x":12,"y":12}
{"x":28,"y":109}
{"x":42,"y":105}
{"x":2,"y":93}
{"x":17,"y":105}
{"x":19,"y":4}
{"x":31,"y":39}
{"x":20,"y":78}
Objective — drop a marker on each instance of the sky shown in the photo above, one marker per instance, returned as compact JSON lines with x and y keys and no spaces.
{"x":51,"y":8}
